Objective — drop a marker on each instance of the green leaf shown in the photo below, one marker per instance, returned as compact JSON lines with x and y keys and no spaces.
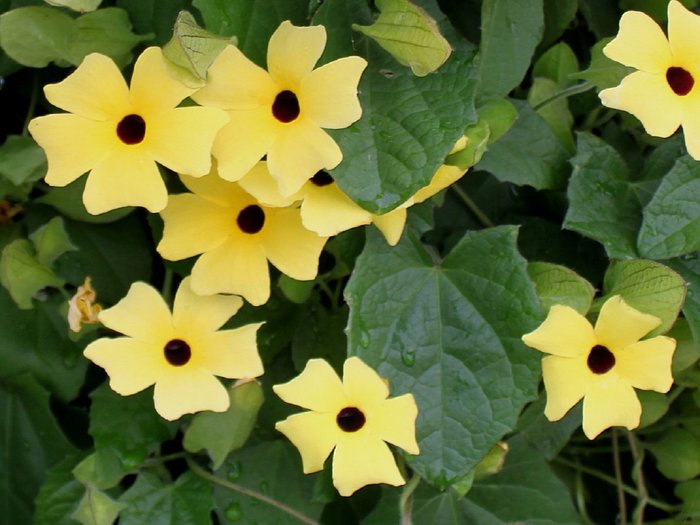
{"x":21,"y":160}
{"x":689,"y":268}
{"x":676,"y":454}
{"x":510,"y":32}
{"x":409,"y":34}
{"x":82,"y":6}
{"x":453,"y":327}
{"x":554,"y":112}
{"x":102,"y":469}
{"x":69,"y":201}
{"x":478,"y":136}
{"x":35,"y":36}
{"x":151,"y":501}
{"x":602,"y":72}
{"x":97,"y":508}
{"x":689,"y":492}
{"x":32,"y":442}
{"x":60,"y":494}
{"x":192,"y":50}
{"x":297,"y":292}
{"x":602,"y":203}
{"x":549,"y":437}
{"x":648,"y":286}
{"x":320,"y":334}
{"x":221,"y":433}
{"x":558,"y":63}
{"x":602,"y":16}
{"x":558,"y":14}
{"x":654,"y":406}
{"x":671,"y":220}
{"x":51,"y":241}
{"x":499,"y":114}
{"x":154,"y":16}
{"x":23,"y":274}
{"x":557,"y":284}
{"x":687,"y":350}
{"x":528,"y":154}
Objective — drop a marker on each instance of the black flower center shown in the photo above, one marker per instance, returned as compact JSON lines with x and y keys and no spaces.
{"x":131,"y":129}
{"x":177,"y":352}
{"x":285,"y":108}
{"x":680,"y":80}
{"x":600,"y":359}
{"x":322,"y":178}
{"x":251,"y":219}
{"x":350,"y":419}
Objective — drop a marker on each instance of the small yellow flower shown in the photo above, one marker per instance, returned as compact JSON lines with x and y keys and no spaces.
{"x":662,"y":93}
{"x":82,"y":307}
{"x":119,"y":133}
{"x":179,"y":352}
{"x":236,"y":236}
{"x":282,"y":112}
{"x":355,"y":417}
{"x":602,"y":365}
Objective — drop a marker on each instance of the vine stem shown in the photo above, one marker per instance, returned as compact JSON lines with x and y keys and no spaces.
{"x":406,"y":501}
{"x":473,"y":206}
{"x":168,"y":285}
{"x":638,"y":477}
{"x":618,"y":478}
{"x":248,"y":492}
{"x":565,"y":93}
{"x":32,"y":105}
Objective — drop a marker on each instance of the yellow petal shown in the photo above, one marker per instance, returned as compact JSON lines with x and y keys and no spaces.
{"x":647,"y":364}
{"x":683,"y":28}
{"x":233,"y":353}
{"x":445,"y":176}
{"x":95,"y":90}
{"x":361,"y":459}
{"x":293,"y":52}
{"x":314,"y":435}
{"x":317,"y":388}
{"x":566,"y":380}
{"x":394,"y":420}
{"x":261,"y":185}
{"x":188,"y":390}
{"x":620,"y":325}
{"x":564,"y":332}
{"x":142,"y":314}
{"x":299,"y":151}
{"x":153,"y":89}
{"x":290,"y":247}
{"x":73,"y":145}
{"x":640,"y":44}
{"x":238,"y":266}
{"x":363,"y":385}
{"x":327,"y":211}
{"x":126,"y":178}
{"x":193,"y":225}
{"x":610,"y":403}
{"x":691,"y":129}
{"x":649,"y":98}
{"x":219,"y":191}
{"x":182,"y":138}
{"x":391,"y":224}
{"x":328,"y":95}
{"x":131,"y":365}
{"x":206,"y":313}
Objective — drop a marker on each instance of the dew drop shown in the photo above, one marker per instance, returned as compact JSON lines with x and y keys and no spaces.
{"x":264,"y":487}
{"x":408,"y":356}
{"x":234,"y":471}
{"x":364,"y":339}
{"x":233,"y":511}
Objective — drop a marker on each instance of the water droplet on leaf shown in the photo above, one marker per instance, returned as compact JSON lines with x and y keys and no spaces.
{"x":233,"y":511}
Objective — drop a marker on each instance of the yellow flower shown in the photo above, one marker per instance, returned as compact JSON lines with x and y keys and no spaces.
{"x":82,"y":307}
{"x":602,"y":365}
{"x":179,"y":352}
{"x":662,"y":94}
{"x":236,"y":236}
{"x":355,"y":417}
{"x":281,"y":113}
{"x":119,"y":133}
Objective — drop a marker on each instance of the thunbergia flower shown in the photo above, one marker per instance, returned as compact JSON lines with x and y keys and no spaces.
{"x":118,"y":133}
{"x":355,"y":417}
{"x":602,"y":365}
{"x":236,"y":236}
{"x":180,"y":352}
{"x":662,"y":93}
{"x":282,"y":112}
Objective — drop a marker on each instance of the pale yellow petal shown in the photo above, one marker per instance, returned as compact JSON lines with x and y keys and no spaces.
{"x":620,"y":325}
{"x":394,"y":421}
{"x":299,"y":151}
{"x":290,"y":247}
{"x":189,"y":390}
{"x":219,"y":191}
{"x":131,"y":365}
{"x":73,"y":145}
{"x":141,"y":314}
{"x":361,"y":459}
{"x":95,"y":90}
{"x":391,"y":224}
{"x":232,"y":353}
{"x":327,"y":211}
{"x":363,"y":385}
{"x":128,"y":177}
{"x":193,"y":225}
{"x":153,"y":89}
{"x":202,"y":313}
{"x":566,"y":380}
{"x":293,"y":52}
{"x":317,"y":388}
{"x":683,"y":29}
{"x":261,"y":185}
{"x":182,"y":139}
{"x":610,"y":403}
{"x":238,"y":266}
{"x":314,"y":435}
{"x":691,"y":130}
{"x":647,"y":364}
{"x":445,"y":176}
{"x":564,"y":332}
{"x":648,"y":97}
{"x":640,"y":44}
{"x":328,"y":95}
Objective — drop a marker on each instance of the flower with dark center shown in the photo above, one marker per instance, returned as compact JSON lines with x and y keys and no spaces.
{"x":350,"y":419}
{"x":285,"y":108}
{"x":177,"y":352}
{"x":131,"y":129}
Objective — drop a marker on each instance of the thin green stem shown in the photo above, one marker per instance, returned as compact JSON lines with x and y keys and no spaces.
{"x":565,"y":93}
{"x":581,"y":499}
{"x":332,"y":296}
{"x":406,"y":500}
{"x":248,"y":492}
{"x":32,"y":104}
{"x":618,"y":478}
{"x":638,"y":477}
{"x":167,"y":291}
{"x":473,"y":207}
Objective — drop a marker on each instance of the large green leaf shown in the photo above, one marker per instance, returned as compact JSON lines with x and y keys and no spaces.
{"x":449,"y":332}
{"x":21,"y":160}
{"x":671,"y":223}
{"x":154,"y":16}
{"x":60,"y":494}
{"x":689,"y":268}
{"x":603,"y":72}
{"x":559,"y":285}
